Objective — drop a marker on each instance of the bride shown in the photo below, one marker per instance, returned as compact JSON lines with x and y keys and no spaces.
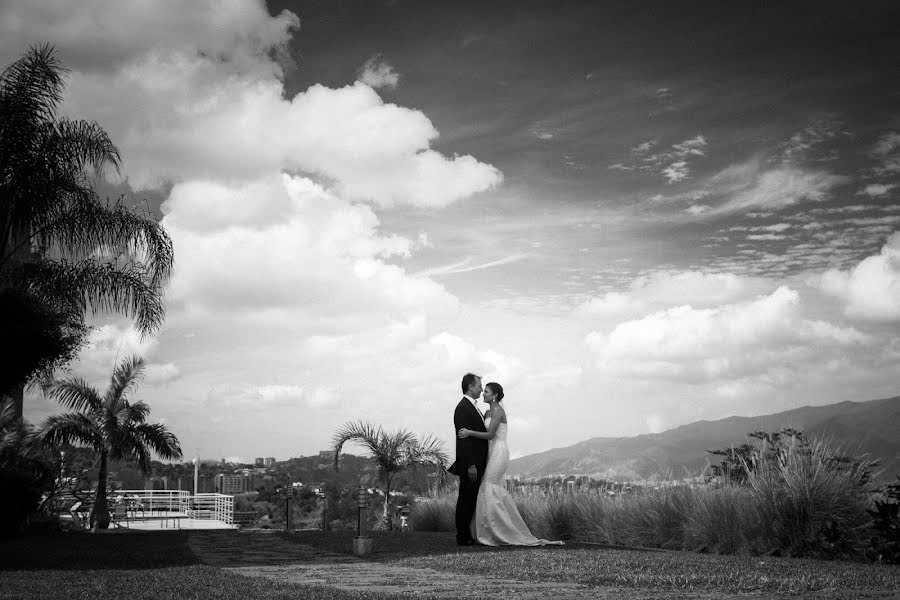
{"x":497,"y":521}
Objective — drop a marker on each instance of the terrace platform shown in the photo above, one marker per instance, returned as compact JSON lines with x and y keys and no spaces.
{"x":161,"y":510}
{"x":183,"y":522}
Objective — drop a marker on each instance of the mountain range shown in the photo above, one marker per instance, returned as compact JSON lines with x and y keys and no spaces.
{"x":871,"y":427}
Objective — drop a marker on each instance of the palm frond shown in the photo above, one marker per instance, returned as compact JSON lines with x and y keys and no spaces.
{"x":361,"y":432}
{"x":75,"y":394}
{"x":90,"y":227}
{"x":159,"y":439}
{"x":99,"y":286}
{"x":86,"y":144}
{"x":30,"y":89}
{"x":391,"y":452}
{"x":125,"y":379}
{"x":430,"y":452}
{"x":76,"y":429}
{"x":135,"y":412}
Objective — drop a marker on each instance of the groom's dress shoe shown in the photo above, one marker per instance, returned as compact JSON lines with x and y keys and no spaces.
{"x":469,"y":542}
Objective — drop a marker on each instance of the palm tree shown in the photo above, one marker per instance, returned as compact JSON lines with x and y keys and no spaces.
{"x":58,"y":241}
{"x":111,"y":424}
{"x":392,"y":453}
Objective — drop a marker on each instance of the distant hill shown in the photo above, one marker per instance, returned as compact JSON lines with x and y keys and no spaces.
{"x":872,"y":427}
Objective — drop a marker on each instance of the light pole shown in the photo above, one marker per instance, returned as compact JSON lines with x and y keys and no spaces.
{"x":197,"y":472}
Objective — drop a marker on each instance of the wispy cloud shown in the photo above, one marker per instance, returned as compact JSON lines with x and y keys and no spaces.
{"x":876,"y":189}
{"x":807,"y":143}
{"x":672,"y":163}
{"x":887,"y":150}
{"x":466,"y":266}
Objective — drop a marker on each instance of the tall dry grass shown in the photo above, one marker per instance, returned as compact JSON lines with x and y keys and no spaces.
{"x":810,"y":502}
{"x":805,"y":502}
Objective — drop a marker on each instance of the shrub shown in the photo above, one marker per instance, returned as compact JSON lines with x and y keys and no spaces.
{"x":434,"y":514}
{"x":812,"y":500}
{"x":721,"y":520}
{"x":25,"y":470}
{"x":885,"y":543}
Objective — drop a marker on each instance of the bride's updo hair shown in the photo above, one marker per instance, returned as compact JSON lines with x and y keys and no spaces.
{"x":497,"y":389}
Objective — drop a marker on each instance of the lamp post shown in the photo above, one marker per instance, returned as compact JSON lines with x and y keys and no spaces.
{"x":362,"y":543}
{"x":288,"y":511}
{"x":197,"y":472}
{"x":404,"y":517}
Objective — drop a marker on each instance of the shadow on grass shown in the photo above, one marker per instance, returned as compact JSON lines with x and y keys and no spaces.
{"x":107,"y":550}
{"x":391,"y":545}
{"x":72,"y":551}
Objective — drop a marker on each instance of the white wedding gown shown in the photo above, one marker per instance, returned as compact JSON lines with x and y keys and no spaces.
{"x":497,"y":521}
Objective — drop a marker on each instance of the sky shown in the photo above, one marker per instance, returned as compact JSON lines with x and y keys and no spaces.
{"x":631,"y":215}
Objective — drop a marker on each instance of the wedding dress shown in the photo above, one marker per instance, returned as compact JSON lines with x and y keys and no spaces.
{"x":497,"y":521}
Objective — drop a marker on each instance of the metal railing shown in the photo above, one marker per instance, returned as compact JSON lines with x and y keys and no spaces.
{"x":141,"y":503}
{"x":215,"y":507}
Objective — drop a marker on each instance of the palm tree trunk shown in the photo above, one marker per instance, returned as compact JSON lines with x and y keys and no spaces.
{"x":386,"y":515}
{"x":100,"y":514}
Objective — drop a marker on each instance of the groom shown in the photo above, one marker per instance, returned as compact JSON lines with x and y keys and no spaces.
{"x":471,"y":456}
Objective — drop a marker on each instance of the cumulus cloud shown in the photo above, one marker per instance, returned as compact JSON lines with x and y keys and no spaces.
{"x":206,"y":102}
{"x":377,"y":73}
{"x":99,"y":36}
{"x":446,"y":351}
{"x":871,"y":289}
{"x":190,"y":122}
{"x":731,"y":341}
{"x":296,"y":245}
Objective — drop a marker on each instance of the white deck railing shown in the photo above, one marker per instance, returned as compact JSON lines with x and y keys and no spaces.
{"x":212,"y":507}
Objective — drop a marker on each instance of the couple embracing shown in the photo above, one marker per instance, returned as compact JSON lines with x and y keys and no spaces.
{"x":485,"y":512}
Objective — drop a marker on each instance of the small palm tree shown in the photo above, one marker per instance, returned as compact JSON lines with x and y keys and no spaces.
{"x":60,"y":243}
{"x":111,"y":424}
{"x":392,"y":453}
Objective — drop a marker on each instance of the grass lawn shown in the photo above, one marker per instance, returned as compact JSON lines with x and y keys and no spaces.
{"x":134,"y":566}
{"x":178,"y":583}
{"x":596,"y":565}
{"x":137,"y":566}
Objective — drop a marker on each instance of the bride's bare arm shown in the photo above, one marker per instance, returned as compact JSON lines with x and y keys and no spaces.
{"x":498,"y":416}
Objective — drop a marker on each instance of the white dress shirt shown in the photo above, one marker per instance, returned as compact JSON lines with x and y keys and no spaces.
{"x":475,"y":404}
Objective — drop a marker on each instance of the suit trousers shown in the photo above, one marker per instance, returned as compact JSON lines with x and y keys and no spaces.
{"x":465,"y":506}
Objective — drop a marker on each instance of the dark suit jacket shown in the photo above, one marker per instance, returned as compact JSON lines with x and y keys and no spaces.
{"x":470,"y":451}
